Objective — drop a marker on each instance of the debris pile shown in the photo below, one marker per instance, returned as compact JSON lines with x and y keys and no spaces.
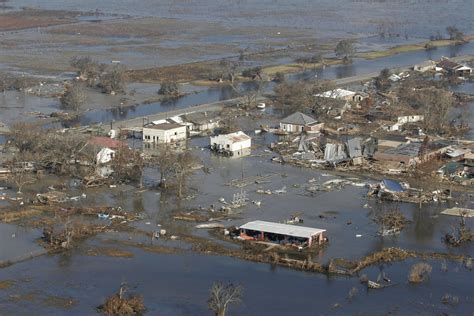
{"x":419,"y":272}
{"x":119,"y":304}
{"x":391,"y":222}
{"x":462,"y":234}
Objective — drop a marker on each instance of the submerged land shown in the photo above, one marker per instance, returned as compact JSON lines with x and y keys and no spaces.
{"x":361,"y":129}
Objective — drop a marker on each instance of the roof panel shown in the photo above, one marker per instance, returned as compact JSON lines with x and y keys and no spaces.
{"x":282,"y":229}
{"x":298,"y":118}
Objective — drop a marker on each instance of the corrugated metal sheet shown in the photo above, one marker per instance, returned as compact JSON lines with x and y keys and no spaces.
{"x":282,"y":229}
{"x":354,"y":147}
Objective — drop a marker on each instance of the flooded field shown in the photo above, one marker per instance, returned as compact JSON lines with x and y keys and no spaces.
{"x":177,"y":284}
{"x":148,"y":236}
{"x":325,"y":18}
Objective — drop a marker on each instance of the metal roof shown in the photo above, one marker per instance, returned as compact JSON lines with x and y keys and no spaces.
{"x":165,"y":126}
{"x":282,"y":229}
{"x":298,"y":118}
{"x":336,"y":94}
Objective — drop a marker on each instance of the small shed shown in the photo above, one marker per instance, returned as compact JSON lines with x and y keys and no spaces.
{"x":282,"y":233}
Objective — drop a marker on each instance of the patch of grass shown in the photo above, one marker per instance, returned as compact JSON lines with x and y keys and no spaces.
{"x":59,"y":302}
{"x":288,"y":68}
{"x":109,"y":252}
{"x":409,"y":48}
{"x":6,"y":284}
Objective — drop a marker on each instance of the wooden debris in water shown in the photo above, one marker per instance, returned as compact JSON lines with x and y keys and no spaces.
{"x":458,"y":211}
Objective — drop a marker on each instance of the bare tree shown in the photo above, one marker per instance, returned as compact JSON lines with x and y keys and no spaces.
{"x":87,"y":69}
{"x":165,"y":160}
{"x":222,"y":295}
{"x":113,"y":80}
{"x":250,"y":97}
{"x":183,"y":167}
{"x":127,"y":165}
{"x":254,"y":73}
{"x":293,"y":96}
{"x":454,"y":33}
{"x":382,"y":83}
{"x":345,"y":49}
{"x":74,"y":97}
{"x":21,"y":167}
{"x":24,"y":136}
{"x":227,"y":69}
{"x":169,"y":88}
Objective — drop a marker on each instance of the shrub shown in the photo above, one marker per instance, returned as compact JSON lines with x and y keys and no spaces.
{"x":419,"y":272}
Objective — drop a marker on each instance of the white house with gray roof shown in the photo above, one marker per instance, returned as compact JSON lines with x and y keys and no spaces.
{"x":299,"y":122}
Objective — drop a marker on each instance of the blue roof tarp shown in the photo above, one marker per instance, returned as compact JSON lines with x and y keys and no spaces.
{"x":393,"y":186}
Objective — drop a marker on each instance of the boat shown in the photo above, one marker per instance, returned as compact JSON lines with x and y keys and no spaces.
{"x":261,"y":106}
{"x":374,"y":285}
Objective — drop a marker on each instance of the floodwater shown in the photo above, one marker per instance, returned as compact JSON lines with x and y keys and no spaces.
{"x":468,"y":88}
{"x":325,"y":18}
{"x":214,"y":94}
{"x":178,"y":284}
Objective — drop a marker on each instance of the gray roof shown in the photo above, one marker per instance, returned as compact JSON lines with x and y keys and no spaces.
{"x":408,"y":149}
{"x":298,"y":118}
{"x":202,"y":117}
{"x":282,"y":229}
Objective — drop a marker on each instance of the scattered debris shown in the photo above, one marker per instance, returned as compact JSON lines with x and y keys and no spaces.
{"x":419,"y":272}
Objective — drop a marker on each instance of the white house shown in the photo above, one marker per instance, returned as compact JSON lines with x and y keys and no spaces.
{"x":299,"y":122}
{"x":428,"y":65}
{"x":338,"y":93}
{"x":410,"y":119}
{"x":164,"y":133}
{"x":343,"y":94}
{"x":402,"y":120}
{"x":234,"y":144}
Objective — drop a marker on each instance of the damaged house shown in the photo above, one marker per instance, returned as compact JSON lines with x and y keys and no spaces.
{"x":164,"y":133}
{"x":203,"y":121}
{"x":428,"y":65}
{"x":453,"y":68}
{"x":234,"y":144}
{"x":353,"y":150}
{"x":412,"y":153}
{"x":344,"y":94}
{"x":106,"y":148}
{"x":282,"y":234}
{"x":402,"y":120}
{"x":299,"y":122}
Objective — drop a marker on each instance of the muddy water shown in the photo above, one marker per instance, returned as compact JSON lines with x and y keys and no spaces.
{"x":363,"y":66}
{"x":18,"y":106}
{"x":358,"y":67}
{"x":468,"y":87}
{"x":326,"y":18}
{"x":178,"y":284}
{"x":18,"y":242}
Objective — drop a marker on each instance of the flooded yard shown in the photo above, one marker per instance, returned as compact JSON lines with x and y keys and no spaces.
{"x":150,"y":237}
